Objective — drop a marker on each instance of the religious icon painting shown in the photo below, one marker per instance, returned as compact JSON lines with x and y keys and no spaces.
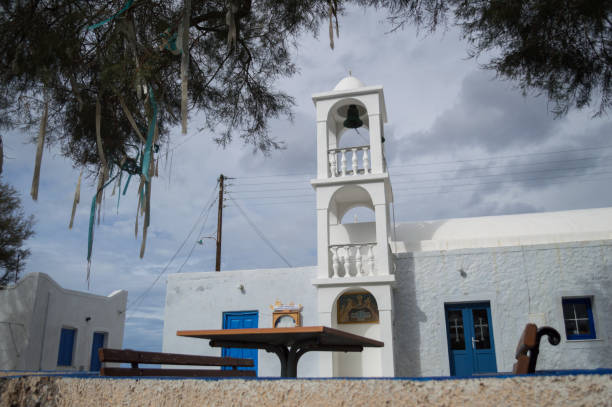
{"x":357,"y":308}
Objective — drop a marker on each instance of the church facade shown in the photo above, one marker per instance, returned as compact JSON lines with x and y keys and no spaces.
{"x":447,"y":297}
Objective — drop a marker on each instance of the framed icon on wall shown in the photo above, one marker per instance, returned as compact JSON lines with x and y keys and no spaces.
{"x":357,"y":308}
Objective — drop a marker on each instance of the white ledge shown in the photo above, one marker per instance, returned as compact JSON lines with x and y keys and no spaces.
{"x":367,"y":280}
{"x":348,"y":179}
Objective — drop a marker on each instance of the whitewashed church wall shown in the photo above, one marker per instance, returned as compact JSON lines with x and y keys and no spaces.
{"x":59,"y":308}
{"x":33,"y":313}
{"x":198,"y":300}
{"x":16,"y":312}
{"x":522,"y":284}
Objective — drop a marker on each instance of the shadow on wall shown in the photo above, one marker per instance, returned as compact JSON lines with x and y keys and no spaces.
{"x":16,"y":308}
{"x":406,"y":321}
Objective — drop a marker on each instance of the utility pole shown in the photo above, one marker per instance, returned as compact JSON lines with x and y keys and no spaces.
{"x":219,"y":221}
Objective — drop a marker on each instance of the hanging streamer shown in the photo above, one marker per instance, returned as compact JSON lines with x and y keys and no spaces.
{"x":230,"y":21}
{"x":123,"y":10}
{"x":39,"y":151}
{"x":130,"y":32}
{"x":119,"y":194}
{"x":138,"y":207}
{"x":127,"y":184}
{"x":92,"y":217}
{"x":1,"y":153}
{"x":118,"y":183}
{"x":333,"y":14}
{"x":185,"y":63}
{"x":104,"y":167}
{"x":99,"y":133}
{"x":130,"y":118}
{"x":149,"y":144}
{"x":136,"y":222}
{"x":77,"y":200}
{"x":336,"y":16}
{"x":114,"y":188}
{"x":147,"y":213}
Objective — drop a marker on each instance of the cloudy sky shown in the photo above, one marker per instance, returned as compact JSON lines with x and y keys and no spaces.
{"x":459,"y":143}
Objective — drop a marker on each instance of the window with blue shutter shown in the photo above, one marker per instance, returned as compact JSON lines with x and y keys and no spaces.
{"x":578,"y":318}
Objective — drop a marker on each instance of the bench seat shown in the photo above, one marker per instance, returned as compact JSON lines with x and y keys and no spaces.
{"x":134,"y":358}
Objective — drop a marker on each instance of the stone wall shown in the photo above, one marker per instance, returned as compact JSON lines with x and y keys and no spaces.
{"x":522,"y":284}
{"x":584,"y":390}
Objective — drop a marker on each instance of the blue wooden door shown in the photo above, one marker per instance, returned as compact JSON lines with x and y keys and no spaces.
{"x":66,"y":347}
{"x":471,"y":347}
{"x":97,"y":343}
{"x":240,"y":320}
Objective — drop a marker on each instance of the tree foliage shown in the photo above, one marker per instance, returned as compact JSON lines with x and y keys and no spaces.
{"x":562,"y":48}
{"x":15,"y":227}
{"x":51,"y":53}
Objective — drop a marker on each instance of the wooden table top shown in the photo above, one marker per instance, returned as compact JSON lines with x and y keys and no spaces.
{"x":284,"y":336}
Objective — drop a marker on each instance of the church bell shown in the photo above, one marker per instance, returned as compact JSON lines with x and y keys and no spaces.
{"x":352,"y":118}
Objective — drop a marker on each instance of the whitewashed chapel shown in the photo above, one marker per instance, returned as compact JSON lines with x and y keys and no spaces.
{"x":447,"y":297}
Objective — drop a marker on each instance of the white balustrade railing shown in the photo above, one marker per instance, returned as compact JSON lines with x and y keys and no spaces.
{"x":353,"y":260}
{"x":359,"y":163}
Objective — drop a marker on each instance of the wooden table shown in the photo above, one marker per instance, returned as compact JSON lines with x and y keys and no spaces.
{"x":289,"y":344}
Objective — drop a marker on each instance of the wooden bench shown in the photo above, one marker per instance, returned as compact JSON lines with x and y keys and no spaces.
{"x":136,"y":357}
{"x":528,"y":347}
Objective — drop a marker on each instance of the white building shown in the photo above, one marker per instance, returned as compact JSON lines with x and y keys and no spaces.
{"x":46,"y":327}
{"x":447,"y":297}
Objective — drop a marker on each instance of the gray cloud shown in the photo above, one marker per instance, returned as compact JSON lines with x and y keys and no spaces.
{"x":441,"y":108}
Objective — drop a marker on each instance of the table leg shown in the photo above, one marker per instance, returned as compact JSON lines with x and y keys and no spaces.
{"x":283,"y":356}
{"x":292,"y":361}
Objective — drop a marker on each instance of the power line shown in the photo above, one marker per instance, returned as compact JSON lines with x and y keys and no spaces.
{"x":195,"y":243}
{"x":476,"y":189}
{"x":503,"y":166}
{"x":503,"y":156}
{"x":241,"y":191}
{"x":444,"y":162}
{"x":259,"y":232}
{"x":303,"y":183}
{"x":271,"y":183}
{"x":275,"y":197}
{"x":206,"y":207}
{"x":507,"y":173}
{"x":302,"y":201}
{"x":249,"y":193}
{"x":411,"y":190}
{"x":305,"y":174}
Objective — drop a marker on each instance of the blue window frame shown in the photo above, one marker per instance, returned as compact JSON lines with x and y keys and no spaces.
{"x":578,"y":318}
{"x":66,"y":347}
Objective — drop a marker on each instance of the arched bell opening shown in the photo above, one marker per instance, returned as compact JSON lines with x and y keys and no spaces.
{"x":347,"y":198}
{"x":345,"y":116}
{"x":348,"y":138}
{"x":352,"y":245}
{"x":358,"y":214}
{"x":355,"y":310}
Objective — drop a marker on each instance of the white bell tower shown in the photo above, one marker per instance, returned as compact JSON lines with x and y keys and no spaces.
{"x":355,"y":263}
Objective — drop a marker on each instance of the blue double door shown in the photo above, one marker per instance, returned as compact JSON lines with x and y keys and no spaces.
{"x":471,"y":347}
{"x":241,"y":320}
